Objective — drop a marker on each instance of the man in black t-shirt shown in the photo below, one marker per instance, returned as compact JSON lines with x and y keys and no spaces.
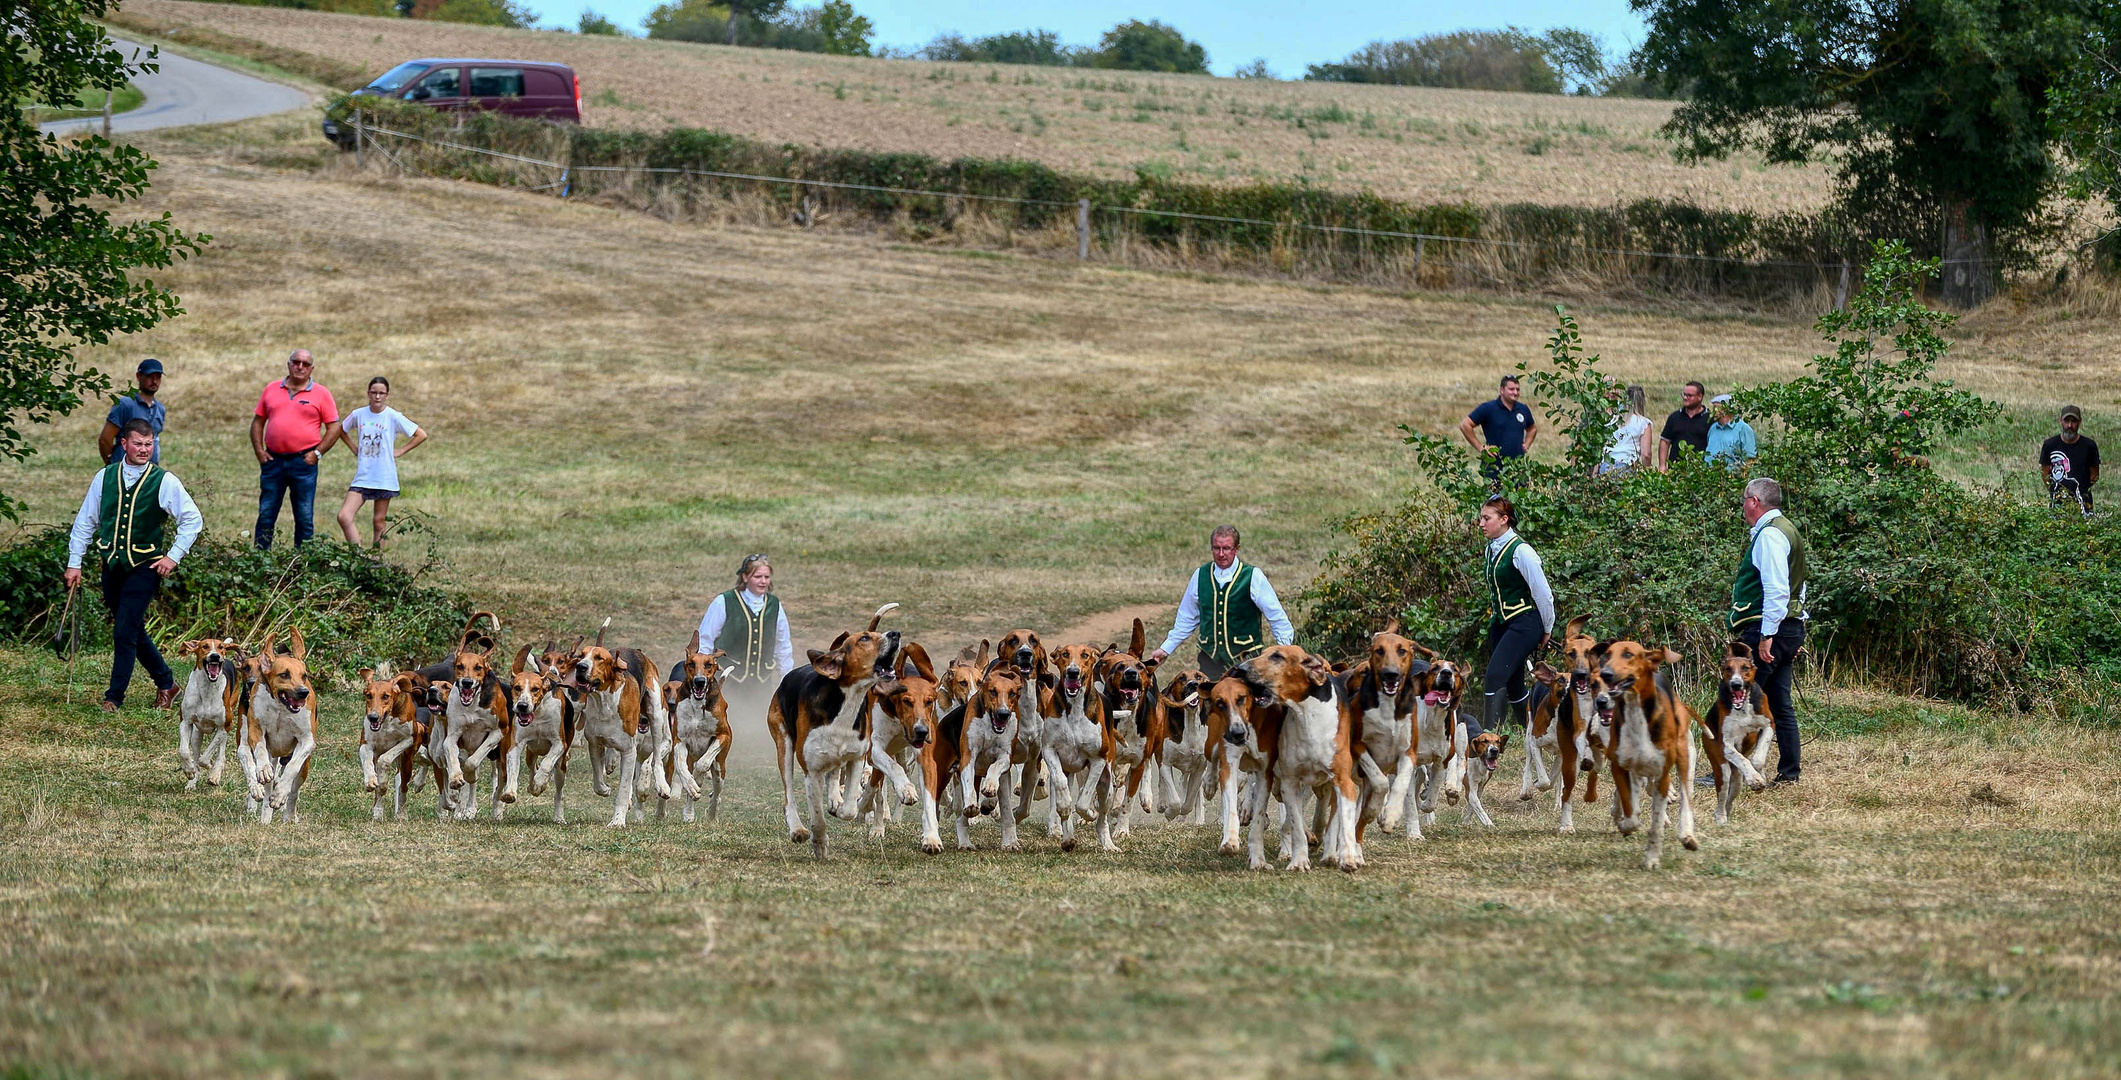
{"x":1687,"y":427}
{"x":2069,"y":462}
{"x":1505,"y":425}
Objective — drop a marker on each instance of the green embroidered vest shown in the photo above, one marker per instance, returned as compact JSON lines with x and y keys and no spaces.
{"x":1230,"y":622}
{"x":1508,"y":594}
{"x":748,"y":638}
{"x":1748,"y":595}
{"x":130,"y":533}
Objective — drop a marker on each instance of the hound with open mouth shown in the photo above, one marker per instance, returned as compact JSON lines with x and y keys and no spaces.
{"x":1482,"y":755}
{"x":819,"y":721}
{"x":623,"y":724}
{"x":1434,"y":750}
{"x":1189,"y":750}
{"x":1738,"y":730}
{"x":1652,"y":741}
{"x":1250,"y":732}
{"x":474,"y":729}
{"x":989,"y":739}
{"x":1134,"y":716}
{"x":210,"y":703}
{"x":903,"y":730}
{"x":543,"y":718}
{"x":1380,"y":690}
{"x":281,"y":732}
{"x":1078,"y":745}
{"x":700,"y":731}
{"x":1314,"y":758}
{"x":392,"y":737}
{"x":1035,"y":703}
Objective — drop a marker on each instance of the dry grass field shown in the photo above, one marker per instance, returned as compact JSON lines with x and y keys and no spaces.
{"x":1415,"y":144}
{"x":1935,"y":902}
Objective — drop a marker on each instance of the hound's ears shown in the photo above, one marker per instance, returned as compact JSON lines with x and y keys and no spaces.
{"x":693,"y":646}
{"x":576,"y":648}
{"x":838,"y":642}
{"x":716,"y":655}
{"x":1741,"y":651}
{"x":368,"y":675}
{"x":827,"y":664}
{"x":1544,"y":673}
{"x":1391,"y":627}
{"x":916,"y":658}
{"x":522,"y":660}
{"x":1426,"y":652}
{"x":1316,"y":668}
{"x":1149,"y":663}
{"x":1576,"y":625}
{"x":968,"y":654}
{"x":984,"y":648}
{"x":1340,"y":667}
{"x":272,"y":642}
{"x":1139,"y":642}
{"x":405,"y":683}
{"x":1665,"y":656}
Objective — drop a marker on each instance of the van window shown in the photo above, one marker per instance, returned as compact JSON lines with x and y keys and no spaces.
{"x":441,"y":83}
{"x":397,"y":76}
{"x":496,"y":82}
{"x":537,"y":83}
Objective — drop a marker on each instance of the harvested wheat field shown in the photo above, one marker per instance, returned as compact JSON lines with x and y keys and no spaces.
{"x":1415,"y":144}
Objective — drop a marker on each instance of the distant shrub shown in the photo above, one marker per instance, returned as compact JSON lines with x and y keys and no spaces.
{"x":1257,"y":69}
{"x":1462,"y":60}
{"x":1135,"y":45}
{"x":1041,"y":47}
{"x":831,"y":27}
{"x":476,"y":12}
{"x":595,"y":25}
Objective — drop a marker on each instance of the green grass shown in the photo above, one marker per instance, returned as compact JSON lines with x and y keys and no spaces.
{"x":90,"y":103}
{"x":1887,"y":919}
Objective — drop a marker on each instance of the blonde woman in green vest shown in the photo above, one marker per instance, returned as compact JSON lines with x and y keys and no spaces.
{"x":748,"y":625}
{"x":1767,"y":610}
{"x":124,"y":523}
{"x":1227,"y":601}
{"x":1520,"y":612}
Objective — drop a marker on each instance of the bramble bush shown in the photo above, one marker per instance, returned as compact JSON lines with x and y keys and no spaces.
{"x":1917,"y":581}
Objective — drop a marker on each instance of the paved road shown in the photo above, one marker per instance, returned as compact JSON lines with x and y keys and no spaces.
{"x":189,"y":91}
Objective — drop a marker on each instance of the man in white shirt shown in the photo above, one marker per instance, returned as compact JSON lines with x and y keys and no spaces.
{"x":1226,"y":601}
{"x":124,"y":520}
{"x":745,"y":623}
{"x":1767,"y":610}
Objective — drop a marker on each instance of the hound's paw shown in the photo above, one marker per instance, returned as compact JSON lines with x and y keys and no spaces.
{"x":909,"y":796}
{"x":1690,"y":842}
{"x":1012,"y":845}
{"x":1108,"y":848}
{"x":1298,"y":867}
{"x":1649,"y":862}
{"x":1526,"y":796}
{"x":508,"y":797}
{"x":1757,"y":786}
{"x":1545,"y":785}
{"x":1230,"y":848}
{"x":967,"y":845}
{"x":1566,"y":830}
{"x":797,"y":836}
{"x":1068,"y":843}
{"x":986,"y":808}
{"x":932,"y":847}
{"x":192,"y":784}
{"x":602,"y":791}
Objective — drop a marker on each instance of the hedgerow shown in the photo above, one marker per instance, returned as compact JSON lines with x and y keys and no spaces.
{"x":1917,"y":582}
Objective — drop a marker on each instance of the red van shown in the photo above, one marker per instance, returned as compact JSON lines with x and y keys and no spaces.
{"x":528,"y":88}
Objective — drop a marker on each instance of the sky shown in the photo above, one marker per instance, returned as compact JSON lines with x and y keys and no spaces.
{"x":1288,"y":36}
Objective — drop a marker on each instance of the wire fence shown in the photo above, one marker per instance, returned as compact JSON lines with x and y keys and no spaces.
{"x":1153,"y":236}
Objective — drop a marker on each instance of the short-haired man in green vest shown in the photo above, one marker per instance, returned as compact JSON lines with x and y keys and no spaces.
{"x":1767,"y":610}
{"x":1227,"y":601}
{"x":750,"y":628}
{"x":124,"y":522}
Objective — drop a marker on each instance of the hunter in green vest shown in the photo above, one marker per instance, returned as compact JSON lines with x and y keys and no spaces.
{"x":1509,"y":595}
{"x":756,"y":651}
{"x":1231,"y":606}
{"x":124,"y":525}
{"x":1767,"y":612}
{"x":1749,"y":590}
{"x":747,"y":637}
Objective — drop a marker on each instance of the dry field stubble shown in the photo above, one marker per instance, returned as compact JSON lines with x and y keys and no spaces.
{"x":1415,"y":144}
{"x":1934,"y":902}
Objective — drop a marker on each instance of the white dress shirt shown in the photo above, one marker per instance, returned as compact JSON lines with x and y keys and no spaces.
{"x":711,"y":628}
{"x":1535,"y":576}
{"x":172,"y":498}
{"x":1771,"y":556}
{"x":1263,"y":598}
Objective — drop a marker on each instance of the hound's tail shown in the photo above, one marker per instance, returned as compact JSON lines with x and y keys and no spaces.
{"x":601,"y":629}
{"x":880,"y":613}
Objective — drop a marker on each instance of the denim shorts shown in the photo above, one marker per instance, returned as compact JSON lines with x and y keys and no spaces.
{"x":372,"y":494}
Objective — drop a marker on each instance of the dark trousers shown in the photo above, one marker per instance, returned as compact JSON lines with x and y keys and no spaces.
{"x":285,"y":474}
{"x":1509,"y":646}
{"x":127,"y":594}
{"x":1774,"y":679}
{"x":1211,"y":667}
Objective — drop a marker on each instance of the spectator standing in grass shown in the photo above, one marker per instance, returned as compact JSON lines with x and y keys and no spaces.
{"x":750,"y":628}
{"x":1505,"y":425}
{"x":295,"y":423}
{"x":124,"y":523}
{"x":2070,"y":462}
{"x":1227,"y":600}
{"x":138,"y":405}
{"x":1731,"y":440}
{"x":1688,"y":426}
{"x":1631,"y":437}
{"x":1767,"y":610}
{"x":373,"y":432}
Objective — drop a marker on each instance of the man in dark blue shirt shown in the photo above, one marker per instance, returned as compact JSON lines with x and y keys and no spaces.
{"x":138,"y":405}
{"x":1506,"y":428}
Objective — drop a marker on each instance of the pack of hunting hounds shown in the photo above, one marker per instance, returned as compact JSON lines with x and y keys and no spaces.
{"x":872,"y":724}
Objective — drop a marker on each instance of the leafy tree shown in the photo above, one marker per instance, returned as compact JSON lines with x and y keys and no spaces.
{"x":1464,"y":59}
{"x":597,"y":25}
{"x":846,"y":33}
{"x":477,"y":12}
{"x":759,"y":10}
{"x":2086,"y":105}
{"x":1919,"y":101}
{"x":1135,"y":45}
{"x":1257,"y":69}
{"x":66,"y":269}
{"x":1577,"y":55}
{"x":1016,"y":47}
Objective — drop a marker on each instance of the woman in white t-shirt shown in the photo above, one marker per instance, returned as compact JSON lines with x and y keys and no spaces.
{"x":1631,"y":439}
{"x":374,"y":433}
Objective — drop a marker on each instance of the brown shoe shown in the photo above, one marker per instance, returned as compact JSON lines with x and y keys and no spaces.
{"x":164,"y":696}
{"x":109,"y":705}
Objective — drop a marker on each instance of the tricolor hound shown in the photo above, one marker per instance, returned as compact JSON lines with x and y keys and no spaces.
{"x":281,"y":729}
{"x":474,"y":729}
{"x":622,"y":722}
{"x":1190,"y":749}
{"x":1078,"y":744}
{"x":212,"y":699}
{"x":1651,"y":741}
{"x":818,"y":721}
{"x":902,"y":738}
{"x":1738,"y":731}
{"x":544,"y":718}
{"x":1313,"y":758}
{"x":392,"y":737}
{"x":699,"y":721}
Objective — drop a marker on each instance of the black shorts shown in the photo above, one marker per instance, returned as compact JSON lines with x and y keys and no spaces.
{"x":372,"y":494}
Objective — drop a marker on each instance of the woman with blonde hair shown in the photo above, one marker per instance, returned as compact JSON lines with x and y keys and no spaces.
{"x":1631,"y":437}
{"x":750,"y":628}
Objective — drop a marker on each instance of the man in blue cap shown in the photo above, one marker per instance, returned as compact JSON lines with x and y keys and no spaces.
{"x":138,"y":405}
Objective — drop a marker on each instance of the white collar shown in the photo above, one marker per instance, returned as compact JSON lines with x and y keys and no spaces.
{"x":1765,"y":518}
{"x":1502,"y":541}
{"x":1222,"y":576}
{"x":131,"y":472}
{"x":751,"y":600}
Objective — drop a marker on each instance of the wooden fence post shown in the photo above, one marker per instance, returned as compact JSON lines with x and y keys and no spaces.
{"x":357,"y":138}
{"x":1419,"y":243}
{"x":106,"y":113}
{"x":1841,"y":292}
{"x":1082,"y":230}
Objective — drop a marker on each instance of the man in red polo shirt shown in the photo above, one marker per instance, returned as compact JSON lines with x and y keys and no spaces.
{"x":295,"y":423}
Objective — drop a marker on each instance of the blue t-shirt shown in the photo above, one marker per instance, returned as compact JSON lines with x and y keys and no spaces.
{"x":1503,"y":426}
{"x":129,"y":408}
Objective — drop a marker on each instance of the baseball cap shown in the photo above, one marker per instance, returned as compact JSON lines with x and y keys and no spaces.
{"x":1720,"y":399}
{"x":149,"y":366}
{"x":2071,"y":411}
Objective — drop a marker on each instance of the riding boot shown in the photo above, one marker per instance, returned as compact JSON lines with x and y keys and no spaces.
{"x":1476,"y":726}
{"x":1519,"y":712}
